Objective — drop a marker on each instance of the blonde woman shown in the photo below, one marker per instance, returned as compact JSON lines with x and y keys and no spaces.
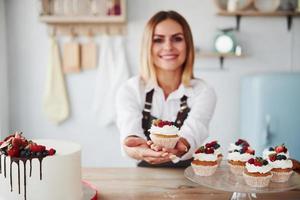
{"x":165,"y":89}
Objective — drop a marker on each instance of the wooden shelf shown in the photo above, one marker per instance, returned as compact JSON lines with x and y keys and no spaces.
{"x":221,"y":56}
{"x":253,"y":13}
{"x":82,"y":19}
{"x":258,"y":13}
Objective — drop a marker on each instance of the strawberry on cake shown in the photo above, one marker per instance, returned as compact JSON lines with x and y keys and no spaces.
{"x":237,"y":158}
{"x":164,"y":133}
{"x":257,"y":172}
{"x":205,"y":161}
{"x":217,"y":149}
{"x":280,"y":149}
{"x":281,"y":167}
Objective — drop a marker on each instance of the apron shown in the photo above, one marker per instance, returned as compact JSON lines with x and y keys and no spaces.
{"x":147,"y":121}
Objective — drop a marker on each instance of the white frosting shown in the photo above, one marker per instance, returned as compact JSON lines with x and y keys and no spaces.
{"x":261,"y":169}
{"x":283,"y":164}
{"x":267,"y":152}
{"x":233,"y":146}
{"x":61,"y":175}
{"x":205,"y":157}
{"x":166,"y":130}
{"x":236,"y":156}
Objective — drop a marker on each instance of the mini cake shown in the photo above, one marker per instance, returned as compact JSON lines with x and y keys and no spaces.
{"x":28,"y":170}
{"x":238,"y":158}
{"x":257,"y":172}
{"x":280,"y":149}
{"x":205,"y":161}
{"x":217,"y":149}
{"x":164,"y":133}
{"x":281,"y":167}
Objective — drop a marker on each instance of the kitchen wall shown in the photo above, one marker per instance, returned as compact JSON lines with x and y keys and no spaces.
{"x":266,"y":42}
{"x":3,"y":73}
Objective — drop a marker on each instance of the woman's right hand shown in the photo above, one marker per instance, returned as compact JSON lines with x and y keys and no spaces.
{"x":138,"y":148}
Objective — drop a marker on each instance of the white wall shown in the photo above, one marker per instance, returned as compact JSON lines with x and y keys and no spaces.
{"x":3,"y":74}
{"x":267,"y":44}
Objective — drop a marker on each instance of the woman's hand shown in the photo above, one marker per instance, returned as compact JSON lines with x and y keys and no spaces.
{"x":180,"y":149}
{"x":138,"y":148}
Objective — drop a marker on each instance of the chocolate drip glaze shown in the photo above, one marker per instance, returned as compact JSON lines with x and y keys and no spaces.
{"x":17,"y":161}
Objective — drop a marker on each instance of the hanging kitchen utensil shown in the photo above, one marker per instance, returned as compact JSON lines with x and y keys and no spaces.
{"x":89,"y":53}
{"x":71,"y":55}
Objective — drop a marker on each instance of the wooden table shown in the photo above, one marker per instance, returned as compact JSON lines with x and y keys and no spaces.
{"x":149,"y":183}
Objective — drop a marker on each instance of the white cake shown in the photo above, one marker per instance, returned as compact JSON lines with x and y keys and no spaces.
{"x":61,"y":175}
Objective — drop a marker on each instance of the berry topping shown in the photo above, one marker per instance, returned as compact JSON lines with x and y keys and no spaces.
{"x":251,"y":161}
{"x":280,"y":148}
{"x":250,"y":151}
{"x":272,"y":157}
{"x":204,"y":149}
{"x":18,"y":146}
{"x":271,"y":149}
{"x":281,"y":157}
{"x":160,"y":123}
{"x":213,"y":144}
{"x":242,"y":142}
{"x":209,"y":150}
{"x":258,"y":161}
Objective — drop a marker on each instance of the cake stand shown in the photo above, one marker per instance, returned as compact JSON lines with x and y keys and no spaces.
{"x":224,"y":180}
{"x":89,"y":191}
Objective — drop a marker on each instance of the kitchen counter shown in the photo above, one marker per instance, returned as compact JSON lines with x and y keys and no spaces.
{"x":150,"y":183}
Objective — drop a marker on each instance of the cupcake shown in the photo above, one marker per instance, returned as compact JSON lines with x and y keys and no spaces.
{"x":257,"y":172}
{"x":217,"y":148}
{"x":280,"y":149}
{"x":281,"y":167}
{"x":164,"y":133}
{"x":205,"y":161}
{"x":237,"y":159}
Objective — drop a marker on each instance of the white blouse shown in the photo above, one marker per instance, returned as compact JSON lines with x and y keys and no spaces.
{"x":201,"y":100}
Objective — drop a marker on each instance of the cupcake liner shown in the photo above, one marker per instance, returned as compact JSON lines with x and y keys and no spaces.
{"x":280,"y":177}
{"x":236,"y":169}
{"x":164,"y":142}
{"x":257,"y":181}
{"x":203,"y":170}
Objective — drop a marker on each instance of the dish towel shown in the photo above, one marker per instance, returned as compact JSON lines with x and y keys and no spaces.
{"x":111,"y":73}
{"x":56,"y":104}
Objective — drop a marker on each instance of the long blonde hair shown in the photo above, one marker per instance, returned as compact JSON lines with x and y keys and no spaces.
{"x":147,"y":69}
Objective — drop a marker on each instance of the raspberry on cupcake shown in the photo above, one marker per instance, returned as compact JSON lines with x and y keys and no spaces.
{"x":217,"y":148}
{"x":281,"y":167}
{"x":164,"y":133}
{"x":280,"y":149}
{"x":237,"y":159}
{"x":257,"y":172}
{"x":205,"y":161}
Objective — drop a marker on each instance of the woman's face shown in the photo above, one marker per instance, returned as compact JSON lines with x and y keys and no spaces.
{"x":168,"y":46}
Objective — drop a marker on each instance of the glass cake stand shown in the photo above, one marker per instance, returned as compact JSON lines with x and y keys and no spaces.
{"x":224,"y":180}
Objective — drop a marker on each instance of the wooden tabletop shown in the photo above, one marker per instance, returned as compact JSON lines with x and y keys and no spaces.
{"x":150,"y":183}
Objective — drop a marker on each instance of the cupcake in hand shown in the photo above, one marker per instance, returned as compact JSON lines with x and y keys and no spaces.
{"x":205,"y":161}
{"x":217,"y":148}
{"x":237,"y":159}
{"x":280,"y":149}
{"x":257,"y":172}
{"x":164,"y":133}
{"x":281,"y":167}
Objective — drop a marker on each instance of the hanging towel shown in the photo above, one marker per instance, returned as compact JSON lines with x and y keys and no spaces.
{"x":56,"y":105}
{"x":111,"y":73}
